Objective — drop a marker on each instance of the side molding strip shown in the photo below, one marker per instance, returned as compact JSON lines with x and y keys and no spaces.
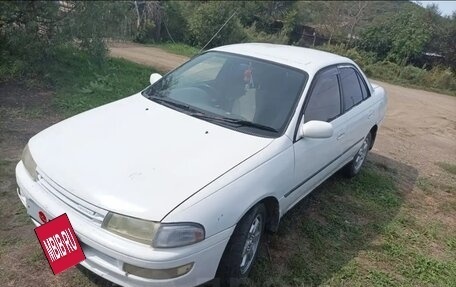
{"x":323,"y":168}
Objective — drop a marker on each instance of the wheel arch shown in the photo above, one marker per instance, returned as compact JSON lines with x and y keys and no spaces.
{"x":373,"y":132}
{"x":272,"y":213}
{"x":272,"y":207}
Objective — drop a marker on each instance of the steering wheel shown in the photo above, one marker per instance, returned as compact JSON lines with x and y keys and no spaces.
{"x":208,"y":89}
{"x":211,"y":92}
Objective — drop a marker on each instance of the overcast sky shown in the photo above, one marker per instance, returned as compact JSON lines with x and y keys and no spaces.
{"x":446,"y":7}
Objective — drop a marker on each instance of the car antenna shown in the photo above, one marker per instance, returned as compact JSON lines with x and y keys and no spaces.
{"x":226,"y":22}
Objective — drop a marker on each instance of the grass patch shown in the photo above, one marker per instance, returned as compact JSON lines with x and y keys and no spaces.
{"x":6,"y":173}
{"x":429,"y":186}
{"x":346,"y":216}
{"x":81,"y":84}
{"x":448,"y":167}
{"x":8,"y":241}
{"x":428,"y":270}
{"x":381,"y":279}
{"x":178,"y":48}
{"x":36,"y":257}
{"x":4,"y":165}
{"x":24,"y":112}
{"x":358,"y":232}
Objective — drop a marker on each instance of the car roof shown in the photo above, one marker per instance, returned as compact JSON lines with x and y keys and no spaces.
{"x":309,"y":60}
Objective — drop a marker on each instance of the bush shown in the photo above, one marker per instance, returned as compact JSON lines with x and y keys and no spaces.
{"x":412,"y":74}
{"x":145,"y":35}
{"x":362,"y":58}
{"x":207,"y":20}
{"x":383,"y":70}
{"x":438,"y":79}
{"x":175,"y":22}
{"x":441,"y":78}
{"x":32,"y":32}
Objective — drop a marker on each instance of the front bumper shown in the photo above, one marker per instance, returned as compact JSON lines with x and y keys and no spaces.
{"x":106,"y":252}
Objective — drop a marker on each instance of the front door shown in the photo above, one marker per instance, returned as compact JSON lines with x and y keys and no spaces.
{"x":315,"y":159}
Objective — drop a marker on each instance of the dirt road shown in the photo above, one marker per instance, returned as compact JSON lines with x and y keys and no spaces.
{"x":420,"y":126}
{"x":155,"y":57}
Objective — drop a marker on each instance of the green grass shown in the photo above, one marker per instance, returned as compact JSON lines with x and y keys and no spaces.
{"x":81,"y":84}
{"x":178,"y":48}
{"x":429,"y":185}
{"x":358,"y":232}
{"x":449,"y":167}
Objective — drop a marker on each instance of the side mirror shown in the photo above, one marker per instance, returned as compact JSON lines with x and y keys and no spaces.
{"x":154,"y":78}
{"x":316,"y":129}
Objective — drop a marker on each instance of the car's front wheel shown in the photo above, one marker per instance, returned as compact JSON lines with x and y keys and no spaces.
{"x":353,"y":167}
{"x":242,"y":249}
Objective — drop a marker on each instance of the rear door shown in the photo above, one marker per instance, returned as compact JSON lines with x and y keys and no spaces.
{"x":358,"y":110}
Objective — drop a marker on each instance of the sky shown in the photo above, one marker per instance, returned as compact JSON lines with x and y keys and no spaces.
{"x":446,"y":7}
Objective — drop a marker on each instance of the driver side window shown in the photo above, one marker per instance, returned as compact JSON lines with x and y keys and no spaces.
{"x":324,"y":103}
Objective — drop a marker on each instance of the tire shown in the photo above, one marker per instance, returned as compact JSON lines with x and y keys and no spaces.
{"x":353,"y":167}
{"x":236,"y":264}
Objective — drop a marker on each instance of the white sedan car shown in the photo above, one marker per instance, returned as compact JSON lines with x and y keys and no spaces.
{"x":175,"y":185}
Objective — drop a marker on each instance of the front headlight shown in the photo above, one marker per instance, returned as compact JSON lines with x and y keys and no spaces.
{"x":160,"y":235}
{"x":178,"y":234}
{"x":29,"y":163}
{"x":136,"y":229}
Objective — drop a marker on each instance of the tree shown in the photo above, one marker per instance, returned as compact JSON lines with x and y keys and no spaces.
{"x":208,"y":18}
{"x":355,"y":15}
{"x":400,"y":38}
{"x":149,"y":17}
{"x":443,"y":38}
{"x":267,"y":16}
{"x":449,"y":42}
{"x":32,"y":32}
{"x":174,"y":22}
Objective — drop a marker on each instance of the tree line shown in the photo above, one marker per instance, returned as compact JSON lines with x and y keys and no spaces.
{"x":401,"y":32}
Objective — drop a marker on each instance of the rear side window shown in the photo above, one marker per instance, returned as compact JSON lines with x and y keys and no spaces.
{"x":366,"y":93}
{"x":351,"y":88}
{"x":324,"y":102}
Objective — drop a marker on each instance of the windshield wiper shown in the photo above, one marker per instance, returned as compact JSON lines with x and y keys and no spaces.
{"x":168,"y":102}
{"x":250,"y":124}
{"x":232,"y":121}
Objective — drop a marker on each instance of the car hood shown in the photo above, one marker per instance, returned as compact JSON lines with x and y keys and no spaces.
{"x":137,"y":157}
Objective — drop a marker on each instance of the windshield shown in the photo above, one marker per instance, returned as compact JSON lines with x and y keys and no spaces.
{"x":243,"y":93}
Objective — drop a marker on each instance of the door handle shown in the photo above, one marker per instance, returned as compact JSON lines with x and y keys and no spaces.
{"x":371,"y":113}
{"x":340,"y":136}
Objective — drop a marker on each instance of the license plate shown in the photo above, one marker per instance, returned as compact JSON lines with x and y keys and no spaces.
{"x":37,"y":212}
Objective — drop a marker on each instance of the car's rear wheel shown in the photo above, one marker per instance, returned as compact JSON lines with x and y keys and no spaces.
{"x":242,"y":249}
{"x":353,"y":167}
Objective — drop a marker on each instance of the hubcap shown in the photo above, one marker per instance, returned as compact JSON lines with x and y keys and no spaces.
{"x":251,"y":244}
{"x":361,"y":155}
